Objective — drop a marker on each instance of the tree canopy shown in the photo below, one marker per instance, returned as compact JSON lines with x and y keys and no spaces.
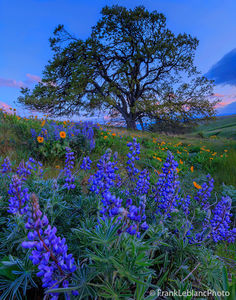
{"x":131,"y":63}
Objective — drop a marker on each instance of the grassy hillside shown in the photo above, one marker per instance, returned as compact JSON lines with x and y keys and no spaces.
{"x":214,"y":154}
{"x":113,"y":214}
{"x":224,"y":126}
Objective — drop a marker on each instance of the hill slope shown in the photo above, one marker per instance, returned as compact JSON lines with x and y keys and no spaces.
{"x":224,"y":126}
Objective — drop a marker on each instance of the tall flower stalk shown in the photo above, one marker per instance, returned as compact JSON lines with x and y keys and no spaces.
{"x":49,"y":252}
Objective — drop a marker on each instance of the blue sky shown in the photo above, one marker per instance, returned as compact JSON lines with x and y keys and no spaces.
{"x":25,"y":27}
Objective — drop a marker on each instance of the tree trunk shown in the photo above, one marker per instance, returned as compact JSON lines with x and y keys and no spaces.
{"x":130,"y":124}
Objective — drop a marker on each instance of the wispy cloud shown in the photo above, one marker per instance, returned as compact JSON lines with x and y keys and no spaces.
{"x":226,"y":99}
{"x":224,"y":71}
{"x":31,"y":79}
{"x":11,"y":83}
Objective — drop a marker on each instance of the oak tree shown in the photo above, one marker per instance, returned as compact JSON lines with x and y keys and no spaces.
{"x":129,"y":64}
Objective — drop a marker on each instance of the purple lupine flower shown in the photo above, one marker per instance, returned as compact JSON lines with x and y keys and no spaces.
{"x":6,"y":166}
{"x":86,"y":164}
{"x":111,"y":205}
{"x":134,"y":151}
{"x":167,"y":187}
{"x":69,"y":165}
{"x":138,"y":219}
{"x":53,"y":130}
{"x":217,"y":224}
{"x":220,"y":221}
{"x":204,"y":193}
{"x":49,"y":252}
{"x":184,"y":204}
{"x":106,"y":176}
{"x":19,"y":197}
{"x":143,"y":183}
{"x":25,"y":168}
{"x":130,"y":216}
{"x":33,"y":133}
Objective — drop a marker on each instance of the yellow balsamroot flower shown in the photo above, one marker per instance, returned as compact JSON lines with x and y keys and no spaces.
{"x":191,"y":169}
{"x":62,"y":134}
{"x":181,"y":162}
{"x":57,"y":167}
{"x":158,"y":158}
{"x":43,"y":123}
{"x":113,"y":134}
{"x":197,"y":186}
{"x":40,"y":139}
{"x":226,"y":150}
{"x":105,"y":137}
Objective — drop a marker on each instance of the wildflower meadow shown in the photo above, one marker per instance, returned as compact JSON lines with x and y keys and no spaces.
{"x":89,"y":211}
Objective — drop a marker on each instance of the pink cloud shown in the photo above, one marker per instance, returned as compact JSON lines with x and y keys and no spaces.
{"x":218,"y":95}
{"x":33,"y":78}
{"x":221,"y":104}
{"x":11,"y":83}
{"x":225,"y":99}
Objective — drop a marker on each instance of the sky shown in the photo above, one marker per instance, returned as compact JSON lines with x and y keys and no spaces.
{"x":26,"y":26}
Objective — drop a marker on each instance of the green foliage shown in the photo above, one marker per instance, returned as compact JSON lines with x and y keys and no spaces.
{"x":16,"y":278}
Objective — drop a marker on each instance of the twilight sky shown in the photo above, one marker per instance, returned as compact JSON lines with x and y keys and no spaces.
{"x":25,"y":27}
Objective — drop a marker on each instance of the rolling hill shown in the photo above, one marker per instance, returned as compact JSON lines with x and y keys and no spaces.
{"x":223,"y":126}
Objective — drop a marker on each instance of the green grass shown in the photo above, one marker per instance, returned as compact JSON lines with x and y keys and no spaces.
{"x":224,"y":126}
{"x":15,"y":136}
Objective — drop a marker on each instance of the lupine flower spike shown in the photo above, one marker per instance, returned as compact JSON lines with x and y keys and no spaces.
{"x":49,"y":252}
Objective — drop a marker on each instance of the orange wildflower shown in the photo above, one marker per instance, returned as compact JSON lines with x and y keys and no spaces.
{"x":198,"y":186}
{"x":63,"y":134}
{"x":40,"y":139}
{"x":191,"y":169}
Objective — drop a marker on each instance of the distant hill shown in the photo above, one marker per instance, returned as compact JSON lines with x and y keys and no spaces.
{"x":224,"y":126}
